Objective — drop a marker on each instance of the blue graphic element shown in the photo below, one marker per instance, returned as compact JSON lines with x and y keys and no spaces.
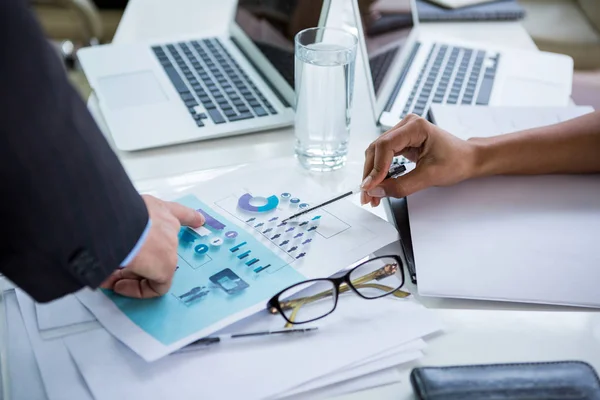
{"x":275,"y":237}
{"x":190,"y":300}
{"x":168,"y":318}
{"x":257,"y":270}
{"x":293,"y":249}
{"x":300,"y":255}
{"x":267,"y":230}
{"x":282,"y":224}
{"x":312,"y":228}
{"x":307,"y":241}
{"x":295,"y":200}
{"x":285,"y":196}
{"x":201,"y":249}
{"x":304,"y":223}
{"x":211,"y":222}
{"x":273,"y":219}
{"x":237,"y":247}
{"x":216,"y":242}
{"x":250,"y":220}
{"x":251,"y":262}
{"x":244,"y":255}
{"x":192,"y":292}
{"x":231,"y":235}
{"x":316,"y":218}
{"x":271,"y":203}
{"x":290,"y":229}
{"x":303,"y":205}
{"x":284,"y":243}
{"x":298,"y":235}
{"x":229,"y":281}
{"x":258,"y":225}
{"x":187,"y":236}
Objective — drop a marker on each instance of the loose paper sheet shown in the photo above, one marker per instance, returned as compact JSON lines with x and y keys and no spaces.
{"x":62,"y":312}
{"x":243,"y":255}
{"x":399,"y":355}
{"x":377,"y":365}
{"x":24,"y":381}
{"x":59,"y":374}
{"x":287,"y":362}
{"x":381,"y":378}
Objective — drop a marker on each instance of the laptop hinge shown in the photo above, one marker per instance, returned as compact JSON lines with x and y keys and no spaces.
{"x":262,"y":75}
{"x":402,"y":77}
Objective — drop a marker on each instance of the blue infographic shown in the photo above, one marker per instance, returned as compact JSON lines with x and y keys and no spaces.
{"x":222,"y":269}
{"x":270,"y":203}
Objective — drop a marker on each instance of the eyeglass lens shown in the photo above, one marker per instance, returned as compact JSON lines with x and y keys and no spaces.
{"x":377,"y":278}
{"x":312,"y":301}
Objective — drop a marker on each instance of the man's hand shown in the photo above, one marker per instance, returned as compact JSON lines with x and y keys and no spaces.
{"x":151,"y":271}
{"x":441,"y":160}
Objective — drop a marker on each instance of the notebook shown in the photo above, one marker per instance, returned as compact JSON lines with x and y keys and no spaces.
{"x":508,"y":238}
{"x":491,"y":11}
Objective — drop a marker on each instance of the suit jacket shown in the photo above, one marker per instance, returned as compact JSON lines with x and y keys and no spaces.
{"x":69,"y":214}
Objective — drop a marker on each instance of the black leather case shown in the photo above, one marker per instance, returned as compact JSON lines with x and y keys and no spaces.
{"x":564,"y":380}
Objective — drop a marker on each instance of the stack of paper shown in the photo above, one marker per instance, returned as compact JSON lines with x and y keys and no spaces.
{"x":98,"y":345}
{"x":355,"y":348}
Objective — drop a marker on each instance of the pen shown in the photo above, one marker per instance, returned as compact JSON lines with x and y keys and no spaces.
{"x":395,"y":170}
{"x":210,"y":340}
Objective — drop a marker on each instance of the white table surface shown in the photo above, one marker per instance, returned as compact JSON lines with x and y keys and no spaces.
{"x":477,"y":332}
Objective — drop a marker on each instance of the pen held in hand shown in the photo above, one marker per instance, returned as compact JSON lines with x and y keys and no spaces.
{"x":395,"y":170}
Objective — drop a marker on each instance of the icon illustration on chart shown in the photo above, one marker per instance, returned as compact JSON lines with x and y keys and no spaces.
{"x":264,"y":212}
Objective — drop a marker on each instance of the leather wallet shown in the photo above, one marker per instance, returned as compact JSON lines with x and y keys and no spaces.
{"x":562,"y":380}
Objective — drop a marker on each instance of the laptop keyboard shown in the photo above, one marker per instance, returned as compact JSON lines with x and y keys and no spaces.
{"x":453,"y":75}
{"x":379,"y":66}
{"x":282,"y":60}
{"x":211,"y":83}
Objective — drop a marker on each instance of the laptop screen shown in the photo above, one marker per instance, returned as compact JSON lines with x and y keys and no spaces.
{"x":386,"y":25}
{"x":272,"y":25}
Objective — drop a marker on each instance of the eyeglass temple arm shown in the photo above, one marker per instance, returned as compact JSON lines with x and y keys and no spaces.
{"x":343,"y":289}
{"x":298,"y":303}
{"x":377,"y":274}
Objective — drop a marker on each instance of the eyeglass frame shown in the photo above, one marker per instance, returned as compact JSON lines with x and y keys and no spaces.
{"x":275,"y":304}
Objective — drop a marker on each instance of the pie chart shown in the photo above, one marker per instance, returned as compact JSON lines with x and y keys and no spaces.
{"x":258,"y":204}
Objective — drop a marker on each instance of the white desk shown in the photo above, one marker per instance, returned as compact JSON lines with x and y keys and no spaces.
{"x":477,"y":332}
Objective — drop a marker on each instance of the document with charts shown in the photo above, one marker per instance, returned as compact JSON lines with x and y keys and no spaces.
{"x":230,"y":267}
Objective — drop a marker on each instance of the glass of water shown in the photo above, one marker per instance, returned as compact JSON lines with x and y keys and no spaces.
{"x":324,"y":81}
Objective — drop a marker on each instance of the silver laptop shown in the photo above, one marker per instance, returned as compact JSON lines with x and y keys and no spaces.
{"x":410,"y":70}
{"x":206,"y":86}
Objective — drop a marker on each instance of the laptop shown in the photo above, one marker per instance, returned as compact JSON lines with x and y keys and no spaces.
{"x":207,"y":86}
{"x":410,"y":70}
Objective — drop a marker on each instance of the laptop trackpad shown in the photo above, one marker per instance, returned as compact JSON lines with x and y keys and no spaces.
{"x":130,"y":90}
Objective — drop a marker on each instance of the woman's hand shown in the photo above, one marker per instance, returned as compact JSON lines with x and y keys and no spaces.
{"x":441,"y":159}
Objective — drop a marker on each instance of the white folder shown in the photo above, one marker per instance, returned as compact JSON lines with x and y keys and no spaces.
{"x":525,"y":239}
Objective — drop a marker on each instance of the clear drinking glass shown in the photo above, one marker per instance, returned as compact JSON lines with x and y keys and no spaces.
{"x":324,"y":80}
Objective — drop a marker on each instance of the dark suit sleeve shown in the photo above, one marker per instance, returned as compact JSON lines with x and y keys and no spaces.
{"x":69,"y":213}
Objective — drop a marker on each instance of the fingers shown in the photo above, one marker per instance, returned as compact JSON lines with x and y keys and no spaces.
{"x":130,"y":284}
{"x":185,"y":215}
{"x":378,"y":157}
{"x":370,"y":152}
{"x":405,"y":185}
{"x":109,"y":282}
{"x":136,"y":288}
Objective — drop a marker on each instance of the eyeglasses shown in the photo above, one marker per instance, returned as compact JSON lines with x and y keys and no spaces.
{"x":314,"y":299}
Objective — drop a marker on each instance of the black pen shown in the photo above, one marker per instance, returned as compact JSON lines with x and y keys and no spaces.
{"x":210,"y":340}
{"x":395,"y":170}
